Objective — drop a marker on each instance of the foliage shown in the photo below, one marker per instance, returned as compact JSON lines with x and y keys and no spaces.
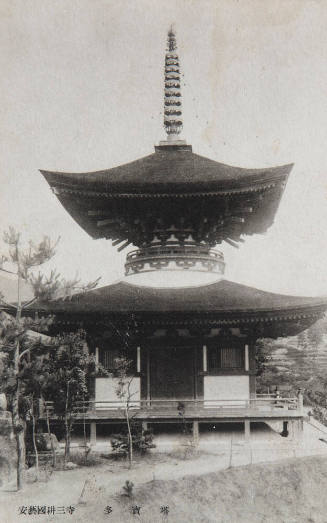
{"x":31,"y":370}
{"x":14,"y":342}
{"x":181,"y":409}
{"x":70,"y":365}
{"x":47,"y":288}
{"x":77,"y":457}
{"x":19,"y":371}
{"x":123,"y":392}
{"x":262,"y":355}
{"x":142,"y":441}
{"x":128,"y":488}
{"x":300,"y":363}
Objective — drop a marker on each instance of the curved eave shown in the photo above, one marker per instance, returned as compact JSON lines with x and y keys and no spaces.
{"x":223,"y":302}
{"x":166,"y":174}
{"x":82,"y":195}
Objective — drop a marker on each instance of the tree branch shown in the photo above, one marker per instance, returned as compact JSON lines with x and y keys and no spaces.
{"x":29,"y":303}
{"x":8,"y":304}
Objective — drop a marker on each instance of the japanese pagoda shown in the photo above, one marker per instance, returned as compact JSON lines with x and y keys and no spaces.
{"x":190,"y":334}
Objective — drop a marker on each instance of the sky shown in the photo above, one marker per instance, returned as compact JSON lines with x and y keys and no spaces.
{"x":82,"y":90}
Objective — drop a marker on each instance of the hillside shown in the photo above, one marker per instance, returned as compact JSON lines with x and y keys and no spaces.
{"x":298,"y":361}
{"x":288,"y":491}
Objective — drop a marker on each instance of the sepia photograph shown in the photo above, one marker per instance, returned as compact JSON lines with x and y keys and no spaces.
{"x":163,"y":253}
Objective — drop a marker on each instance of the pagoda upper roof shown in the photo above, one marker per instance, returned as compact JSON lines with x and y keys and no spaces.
{"x":222,"y":300}
{"x":170,"y":170}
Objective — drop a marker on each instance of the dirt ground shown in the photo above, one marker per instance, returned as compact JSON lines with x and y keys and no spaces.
{"x":289,"y":491}
{"x":225,"y":479}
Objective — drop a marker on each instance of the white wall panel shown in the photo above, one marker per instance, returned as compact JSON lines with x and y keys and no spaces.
{"x":105,"y":390}
{"x":222,"y":388}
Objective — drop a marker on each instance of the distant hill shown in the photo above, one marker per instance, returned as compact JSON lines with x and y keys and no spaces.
{"x":296,"y":361}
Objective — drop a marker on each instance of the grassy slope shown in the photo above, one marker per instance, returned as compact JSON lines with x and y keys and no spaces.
{"x":289,"y":491}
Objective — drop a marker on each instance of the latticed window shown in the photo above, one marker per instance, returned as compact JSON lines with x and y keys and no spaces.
{"x":108,"y":358}
{"x":226,"y":358}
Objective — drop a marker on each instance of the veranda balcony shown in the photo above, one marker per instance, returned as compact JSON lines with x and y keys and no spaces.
{"x":262,"y":406}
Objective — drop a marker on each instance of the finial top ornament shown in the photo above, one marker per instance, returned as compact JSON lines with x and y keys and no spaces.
{"x":172,"y":102}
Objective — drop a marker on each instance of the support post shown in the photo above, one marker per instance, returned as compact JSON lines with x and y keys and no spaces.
{"x":196,"y":433}
{"x":138,"y":360}
{"x":93,"y":433}
{"x":247,"y":429}
{"x":285,"y":432}
{"x":246,"y":358}
{"x":205,"y":359}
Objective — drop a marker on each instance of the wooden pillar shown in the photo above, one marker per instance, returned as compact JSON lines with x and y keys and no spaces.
{"x":285,"y":432}
{"x":196,"y":433}
{"x":205,"y":358}
{"x":247,"y":429}
{"x":138,"y":360}
{"x":246,"y":358}
{"x":252,"y":369}
{"x":93,"y":433}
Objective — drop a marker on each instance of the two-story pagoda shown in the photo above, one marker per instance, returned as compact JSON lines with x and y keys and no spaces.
{"x":190,"y":333}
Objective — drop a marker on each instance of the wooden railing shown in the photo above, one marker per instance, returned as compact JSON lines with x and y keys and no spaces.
{"x":262,"y":402}
{"x":174,"y":251}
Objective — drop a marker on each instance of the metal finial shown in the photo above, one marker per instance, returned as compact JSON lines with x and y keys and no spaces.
{"x":172,"y":103}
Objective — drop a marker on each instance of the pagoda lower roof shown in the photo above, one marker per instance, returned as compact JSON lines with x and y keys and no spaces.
{"x":221,"y":300}
{"x":170,"y":171}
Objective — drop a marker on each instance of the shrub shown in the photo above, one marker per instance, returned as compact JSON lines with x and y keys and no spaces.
{"x":128,"y":488}
{"x":78,"y":457}
{"x":142,"y":442}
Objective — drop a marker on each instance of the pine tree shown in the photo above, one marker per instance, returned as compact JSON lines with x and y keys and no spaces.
{"x":17,"y":331}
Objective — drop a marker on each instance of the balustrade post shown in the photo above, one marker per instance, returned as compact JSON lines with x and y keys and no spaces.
{"x":93,"y":433}
{"x":247,"y":429}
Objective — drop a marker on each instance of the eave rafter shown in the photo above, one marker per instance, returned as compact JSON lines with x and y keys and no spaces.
{"x":59,"y":189}
{"x":214,"y":220}
{"x":264,"y":324}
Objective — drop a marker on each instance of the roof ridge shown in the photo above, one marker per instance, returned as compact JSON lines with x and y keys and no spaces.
{"x":202,"y":286}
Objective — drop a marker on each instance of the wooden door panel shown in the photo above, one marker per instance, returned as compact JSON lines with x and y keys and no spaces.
{"x":172,"y":373}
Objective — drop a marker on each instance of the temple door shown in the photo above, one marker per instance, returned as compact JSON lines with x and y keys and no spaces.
{"x":172,"y":373}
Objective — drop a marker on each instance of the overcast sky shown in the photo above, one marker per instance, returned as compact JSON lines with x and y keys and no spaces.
{"x":82,"y":89}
